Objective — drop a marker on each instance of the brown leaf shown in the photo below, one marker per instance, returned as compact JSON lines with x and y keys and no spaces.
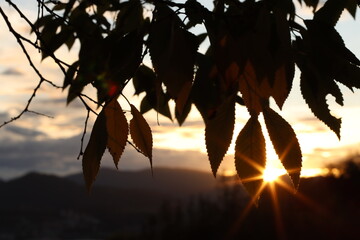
{"x":285,"y":143}
{"x":141,"y":133}
{"x":182,"y":98}
{"x":252,"y":93}
{"x":94,"y":150}
{"x":218,"y":132}
{"x":250,"y":157}
{"x":117,"y":129}
{"x":173,"y":50}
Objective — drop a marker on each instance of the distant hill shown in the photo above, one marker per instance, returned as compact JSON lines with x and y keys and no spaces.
{"x":45,"y":206}
{"x":36,"y":205}
{"x":177,"y":183}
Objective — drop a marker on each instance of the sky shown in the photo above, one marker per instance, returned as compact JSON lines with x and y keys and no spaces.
{"x":51,"y":145}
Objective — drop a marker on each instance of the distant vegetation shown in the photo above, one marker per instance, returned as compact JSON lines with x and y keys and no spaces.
{"x":324,"y":208}
{"x":41,"y":206}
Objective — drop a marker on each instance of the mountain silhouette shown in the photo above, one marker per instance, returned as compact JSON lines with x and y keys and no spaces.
{"x":172,"y":182}
{"x":39,"y":205}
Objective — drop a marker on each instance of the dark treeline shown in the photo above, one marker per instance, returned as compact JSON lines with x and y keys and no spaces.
{"x":323,"y":208}
{"x":39,"y":206}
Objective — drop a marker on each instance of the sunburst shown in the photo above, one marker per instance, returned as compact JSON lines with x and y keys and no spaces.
{"x":273,"y":181}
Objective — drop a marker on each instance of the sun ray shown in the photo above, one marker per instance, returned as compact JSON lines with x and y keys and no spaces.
{"x":277,"y":211}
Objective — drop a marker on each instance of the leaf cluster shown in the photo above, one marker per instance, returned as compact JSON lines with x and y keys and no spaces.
{"x":254,"y":48}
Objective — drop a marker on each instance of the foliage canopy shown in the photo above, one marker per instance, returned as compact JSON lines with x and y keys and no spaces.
{"x":253,"y":49}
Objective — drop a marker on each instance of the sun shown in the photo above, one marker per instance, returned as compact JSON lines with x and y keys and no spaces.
{"x":272,"y":174}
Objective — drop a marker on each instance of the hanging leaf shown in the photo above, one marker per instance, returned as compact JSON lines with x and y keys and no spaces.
{"x":206,"y":92}
{"x":141,"y":133}
{"x":185,"y":112}
{"x":349,"y":76}
{"x":285,"y":143}
{"x":252,"y":93}
{"x":117,"y":129}
{"x":319,"y":66}
{"x":316,"y":99}
{"x":144,"y":80}
{"x":94,"y":150}
{"x":69,"y":77}
{"x":330,"y":12}
{"x":130,"y":16}
{"x":283,"y":59}
{"x":182,"y":98}
{"x":193,"y":12}
{"x":310,"y":3}
{"x":172,"y":50}
{"x":250,"y":157}
{"x":219,"y":131}
{"x":76,"y":87}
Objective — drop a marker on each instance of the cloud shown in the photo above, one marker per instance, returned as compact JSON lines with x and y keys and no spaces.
{"x":11,"y":72}
{"x":25,"y":132}
{"x":58,"y":156}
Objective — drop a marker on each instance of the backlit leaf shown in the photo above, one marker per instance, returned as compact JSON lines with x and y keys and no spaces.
{"x":285,"y":143}
{"x":172,"y":50}
{"x":117,"y":129}
{"x":250,"y":157}
{"x":94,"y":150}
{"x":183,"y":97}
{"x":317,"y":102}
{"x":219,"y":131}
{"x":206,"y":92}
{"x":141,"y":133}
{"x":185,"y":112}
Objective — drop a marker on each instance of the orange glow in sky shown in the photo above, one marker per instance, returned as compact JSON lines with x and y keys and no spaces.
{"x":320,"y":146}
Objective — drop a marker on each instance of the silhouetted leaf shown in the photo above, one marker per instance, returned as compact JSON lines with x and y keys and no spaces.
{"x":172,"y":50}
{"x":125,"y":56}
{"x":285,"y":143}
{"x":330,"y":12}
{"x":351,"y":7}
{"x":117,"y":129}
{"x":141,"y":133}
{"x":182,"y":98}
{"x":206,"y":92}
{"x":349,"y":76}
{"x":144,"y":80}
{"x":310,"y":3}
{"x":185,"y":112}
{"x":317,"y":102}
{"x":252,"y":93}
{"x":250,"y":157}
{"x":130,"y":17}
{"x":193,"y":12}
{"x":283,"y":59}
{"x":201,"y":37}
{"x":76,"y":88}
{"x":49,"y":39}
{"x":70,"y":74}
{"x":219,"y":131}
{"x":94,"y":150}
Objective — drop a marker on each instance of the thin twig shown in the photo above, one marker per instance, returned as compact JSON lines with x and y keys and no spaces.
{"x":83,"y":135}
{"x":90,"y":99}
{"x":86,"y":105}
{"x":138,"y":150}
{"x":40,"y":114}
{"x":42,"y":79}
{"x":51,"y":54}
